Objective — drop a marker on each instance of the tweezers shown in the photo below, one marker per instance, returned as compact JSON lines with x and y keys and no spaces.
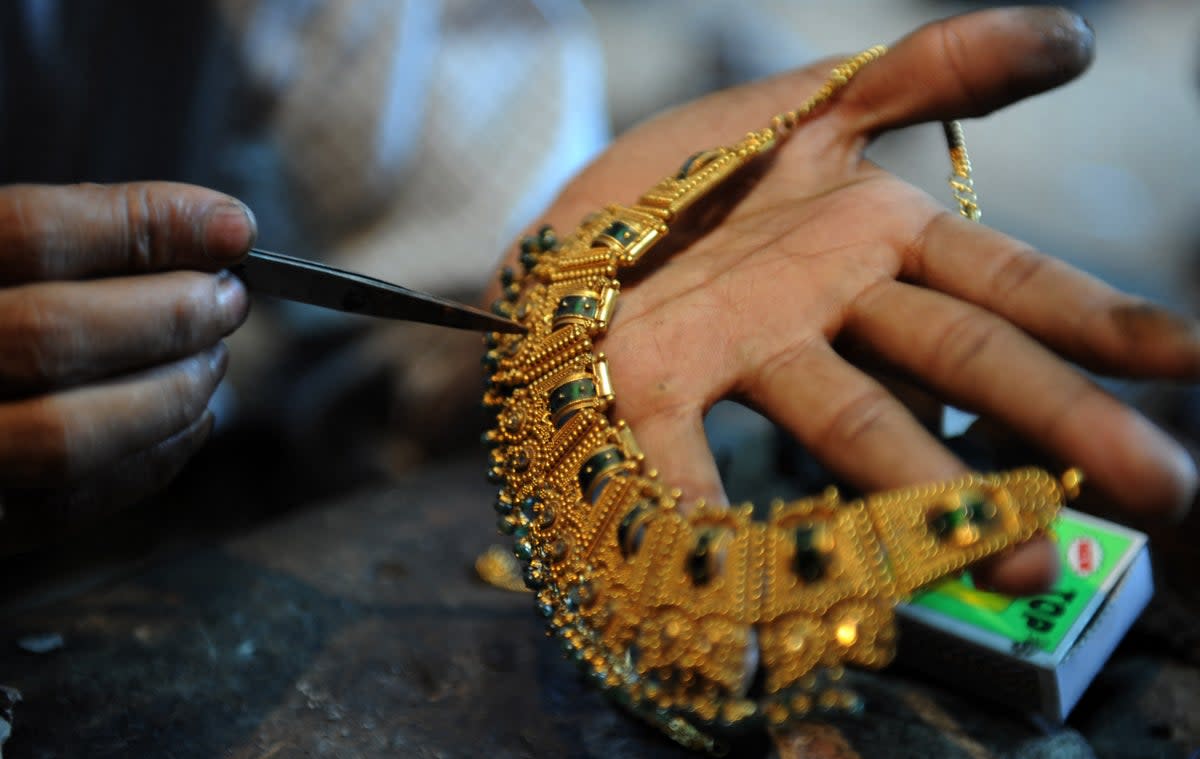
{"x":306,"y":281}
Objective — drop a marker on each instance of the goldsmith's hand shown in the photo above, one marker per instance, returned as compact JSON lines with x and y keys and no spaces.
{"x":110,"y":342}
{"x":827,"y":246}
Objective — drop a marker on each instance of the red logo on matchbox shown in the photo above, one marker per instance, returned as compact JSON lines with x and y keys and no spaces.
{"x":1084,"y":556}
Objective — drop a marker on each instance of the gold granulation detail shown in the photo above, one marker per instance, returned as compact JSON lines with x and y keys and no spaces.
{"x":663,"y":603}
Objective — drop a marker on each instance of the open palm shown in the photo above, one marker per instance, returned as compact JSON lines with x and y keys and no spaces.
{"x":823,"y":246}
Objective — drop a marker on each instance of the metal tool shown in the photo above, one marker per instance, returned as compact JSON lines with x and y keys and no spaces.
{"x":309,"y":282}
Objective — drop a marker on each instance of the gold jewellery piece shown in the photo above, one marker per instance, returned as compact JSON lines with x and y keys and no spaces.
{"x":705,"y":621}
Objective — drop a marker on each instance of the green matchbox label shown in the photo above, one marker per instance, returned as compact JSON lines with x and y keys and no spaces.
{"x":1037,"y":623}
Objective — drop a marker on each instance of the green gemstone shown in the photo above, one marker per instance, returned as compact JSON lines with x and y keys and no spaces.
{"x":568,"y":393}
{"x":530,"y":245}
{"x":558,"y":551}
{"x":535,"y":577}
{"x":529,"y":260}
{"x":529,"y":507}
{"x":547,"y":239}
{"x":699,"y":563}
{"x":523,"y":550}
{"x":507,"y":276}
{"x":979,"y":509}
{"x":686,"y":168}
{"x":945,"y":523}
{"x":621,"y":232}
{"x":545,"y":518}
{"x":632,"y":528}
{"x":504,"y":507}
{"x":546,"y":609}
{"x":577,"y":305}
{"x":600,"y":463}
{"x":810,"y":561}
{"x":505,"y":526}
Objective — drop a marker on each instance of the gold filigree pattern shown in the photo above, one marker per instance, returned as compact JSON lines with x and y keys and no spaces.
{"x":673,"y":610}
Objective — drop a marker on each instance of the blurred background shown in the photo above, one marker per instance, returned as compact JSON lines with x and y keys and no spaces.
{"x":423,"y":170}
{"x":413,"y":140}
{"x":1104,"y":172}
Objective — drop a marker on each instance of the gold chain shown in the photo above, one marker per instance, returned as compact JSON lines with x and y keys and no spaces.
{"x":961,"y":182}
{"x":838,"y":78}
{"x":660,"y":606}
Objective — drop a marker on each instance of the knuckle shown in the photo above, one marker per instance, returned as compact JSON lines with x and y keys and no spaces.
{"x":142,"y":240}
{"x":29,"y":236}
{"x":1019,"y":268}
{"x":962,"y":342}
{"x":188,"y":318}
{"x":36,"y":342}
{"x":956,"y":52}
{"x":784,"y":361}
{"x":668,"y":407}
{"x":1142,"y":329}
{"x":47,"y":443}
{"x":188,"y":390}
{"x":1071,"y":399}
{"x":852,"y":420}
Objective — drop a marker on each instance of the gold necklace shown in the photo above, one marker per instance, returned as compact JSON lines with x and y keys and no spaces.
{"x":663,"y":609}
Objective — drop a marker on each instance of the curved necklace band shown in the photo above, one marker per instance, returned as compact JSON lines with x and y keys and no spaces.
{"x":672,"y":611}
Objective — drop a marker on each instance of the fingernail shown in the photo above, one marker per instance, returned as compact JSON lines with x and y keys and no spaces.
{"x":1088,"y":25}
{"x":232,"y":299}
{"x":1187,"y":477}
{"x":229,"y":231}
{"x":1166,"y":481}
{"x":1068,"y":42}
{"x":218,"y":359}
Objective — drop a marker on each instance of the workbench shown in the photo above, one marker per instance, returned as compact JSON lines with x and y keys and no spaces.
{"x":358,"y":628}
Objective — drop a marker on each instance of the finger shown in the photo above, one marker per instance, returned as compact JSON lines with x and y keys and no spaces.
{"x":849,"y":421}
{"x":1032,"y":567}
{"x":664,"y":399}
{"x":925,"y":407}
{"x":861,"y":431}
{"x":981,"y":362}
{"x":33,"y":515}
{"x":1074,"y":313}
{"x":66,"y":436}
{"x":676,"y":446}
{"x":967,"y":66}
{"x":69,"y":232}
{"x":63,"y":333}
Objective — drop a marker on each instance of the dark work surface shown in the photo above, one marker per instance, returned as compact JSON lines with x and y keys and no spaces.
{"x":359,"y":629}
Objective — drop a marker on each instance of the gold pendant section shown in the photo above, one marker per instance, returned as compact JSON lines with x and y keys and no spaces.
{"x":673,"y":610}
